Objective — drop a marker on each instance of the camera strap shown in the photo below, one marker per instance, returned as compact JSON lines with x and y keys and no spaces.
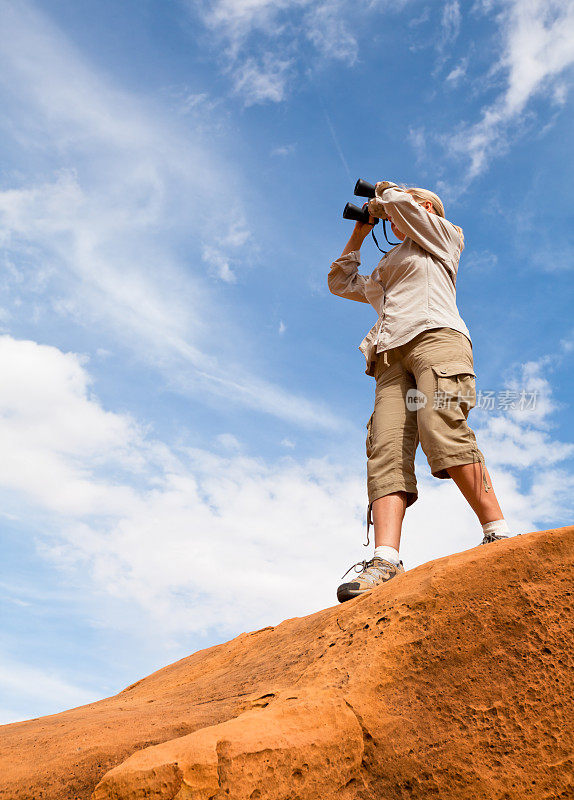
{"x":393,"y":244}
{"x":375,"y":239}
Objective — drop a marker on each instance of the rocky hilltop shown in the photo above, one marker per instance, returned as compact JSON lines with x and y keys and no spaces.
{"x":453,"y":681}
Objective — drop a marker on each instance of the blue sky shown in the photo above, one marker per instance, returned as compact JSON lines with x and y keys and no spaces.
{"x":183,"y":402}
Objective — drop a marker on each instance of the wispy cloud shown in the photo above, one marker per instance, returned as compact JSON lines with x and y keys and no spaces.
{"x":105,"y":236}
{"x":261,"y":82}
{"x":260,"y":40}
{"x":531,"y":470}
{"x":423,"y":17}
{"x":450,"y":23}
{"x":337,"y":144}
{"x":455,"y":76}
{"x":219,"y":263}
{"x":255,"y":42}
{"x":537,"y":49}
{"x":417,"y":139}
{"x":48,"y":427}
{"x":238,"y":19}
{"x":521,"y":436}
{"x":482,"y":261}
{"x":183,"y":534}
{"x":284,"y":150}
{"x":329,"y":29}
{"x":43,"y":690}
{"x":567,"y":343}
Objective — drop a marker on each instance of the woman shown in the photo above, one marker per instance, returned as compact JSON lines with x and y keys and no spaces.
{"x":420,"y":354}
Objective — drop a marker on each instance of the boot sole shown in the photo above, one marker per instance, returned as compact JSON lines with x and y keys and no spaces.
{"x":348,"y":594}
{"x":344,"y":593}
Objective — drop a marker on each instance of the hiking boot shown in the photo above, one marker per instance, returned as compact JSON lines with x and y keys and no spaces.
{"x":493,"y":537}
{"x":373,"y":573}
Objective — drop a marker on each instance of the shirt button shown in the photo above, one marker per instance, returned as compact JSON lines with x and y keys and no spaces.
{"x":443,"y":371}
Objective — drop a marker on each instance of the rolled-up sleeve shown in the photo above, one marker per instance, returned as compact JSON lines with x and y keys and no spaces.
{"x":434,"y":234}
{"x":344,"y":279}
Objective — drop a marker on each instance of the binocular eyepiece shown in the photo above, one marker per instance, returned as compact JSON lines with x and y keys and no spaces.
{"x":353,"y":212}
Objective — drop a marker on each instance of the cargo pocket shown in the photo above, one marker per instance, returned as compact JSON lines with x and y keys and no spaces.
{"x":369,"y":442}
{"x":455,"y":385}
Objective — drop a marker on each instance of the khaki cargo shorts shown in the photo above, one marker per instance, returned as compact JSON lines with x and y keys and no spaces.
{"x":425,"y":390}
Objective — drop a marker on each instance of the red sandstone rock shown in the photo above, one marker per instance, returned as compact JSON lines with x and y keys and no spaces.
{"x":453,"y":681}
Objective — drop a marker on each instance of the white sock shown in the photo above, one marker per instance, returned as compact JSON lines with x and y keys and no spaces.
{"x":387,"y":553}
{"x":498,"y":526}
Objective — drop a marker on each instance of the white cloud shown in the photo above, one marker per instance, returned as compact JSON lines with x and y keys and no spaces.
{"x":284,"y":150}
{"x":519,"y":442}
{"x":417,"y":139}
{"x":237,"y":19}
{"x":219,"y":264}
{"x":455,"y":76}
{"x":480,"y":261}
{"x":538,"y":48}
{"x":54,"y":438}
{"x":259,"y":40}
{"x":421,"y":19}
{"x":209,"y":115}
{"x":514,"y":445}
{"x":530,"y":470}
{"x":540,"y":45}
{"x":261,"y":82}
{"x":450,"y":23}
{"x":187,"y":535}
{"x":259,"y":72}
{"x":45,"y":690}
{"x":530,"y":378}
{"x":209,"y":541}
{"x":560,"y":94}
{"x":229,"y":442}
{"x":329,"y":29}
{"x":192,"y":102}
{"x":102,"y":239}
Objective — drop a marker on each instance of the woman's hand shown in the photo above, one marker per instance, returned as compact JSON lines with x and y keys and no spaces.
{"x":360,"y":233}
{"x":362,"y":229}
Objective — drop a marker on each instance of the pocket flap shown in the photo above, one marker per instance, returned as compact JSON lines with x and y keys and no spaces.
{"x":450,"y":368}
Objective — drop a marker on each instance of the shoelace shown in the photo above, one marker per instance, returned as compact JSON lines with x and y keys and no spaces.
{"x":492,"y":537}
{"x":366,"y":565}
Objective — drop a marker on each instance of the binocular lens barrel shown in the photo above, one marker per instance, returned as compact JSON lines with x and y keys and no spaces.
{"x":357,"y":214}
{"x":364,"y":189}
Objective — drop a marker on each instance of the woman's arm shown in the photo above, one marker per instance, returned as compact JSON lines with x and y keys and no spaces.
{"x":360,"y":233}
{"x":434,"y":234}
{"x":344,"y":279}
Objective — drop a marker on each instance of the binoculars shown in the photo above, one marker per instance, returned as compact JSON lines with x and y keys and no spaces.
{"x":351,"y":211}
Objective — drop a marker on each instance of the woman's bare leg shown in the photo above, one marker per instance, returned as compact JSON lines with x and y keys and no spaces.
{"x":388,"y":514}
{"x":468,"y":478}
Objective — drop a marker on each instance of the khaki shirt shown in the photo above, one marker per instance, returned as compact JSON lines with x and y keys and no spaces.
{"x":413,"y":287}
